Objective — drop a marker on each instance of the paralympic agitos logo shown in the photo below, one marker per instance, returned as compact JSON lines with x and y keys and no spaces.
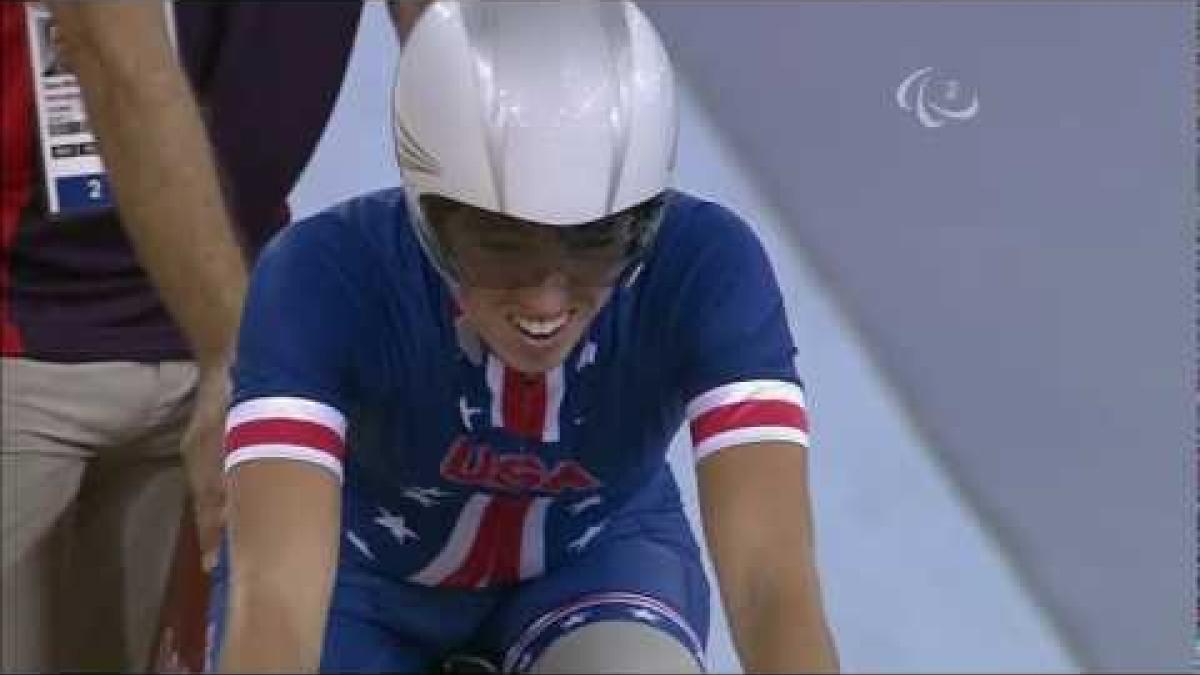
{"x":480,"y":465}
{"x":936,"y":100}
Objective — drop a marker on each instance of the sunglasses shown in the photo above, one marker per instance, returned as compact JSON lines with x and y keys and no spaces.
{"x":485,"y":249}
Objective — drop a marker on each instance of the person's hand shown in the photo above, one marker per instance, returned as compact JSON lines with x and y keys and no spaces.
{"x":203,"y":457}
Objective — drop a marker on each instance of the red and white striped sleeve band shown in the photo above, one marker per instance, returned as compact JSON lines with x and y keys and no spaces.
{"x":285,"y":427}
{"x":747,"y":412}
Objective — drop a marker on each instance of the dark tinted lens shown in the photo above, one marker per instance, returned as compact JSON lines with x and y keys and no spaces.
{"x":491,"y":250}
{"x":483,"y":248}
{"x":601,"y":251}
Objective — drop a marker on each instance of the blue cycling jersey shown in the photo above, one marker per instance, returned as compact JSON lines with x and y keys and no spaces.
{"x":461,"y":472}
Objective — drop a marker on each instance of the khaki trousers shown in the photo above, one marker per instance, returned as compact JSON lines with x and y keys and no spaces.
{"x":93,"y":489}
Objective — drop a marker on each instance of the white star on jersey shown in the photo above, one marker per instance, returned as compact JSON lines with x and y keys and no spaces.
{"x":467,"y":412}
{"x":426,"y":497}
{"x":587,"y":537}
{"x":359,"y":544}
{"x":579,"y":506}
{"x":395,"y":525}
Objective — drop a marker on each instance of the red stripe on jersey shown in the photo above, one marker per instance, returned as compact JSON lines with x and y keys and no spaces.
{"x":506,"y":565}
{"x":748,"y":414}
{"x":524,"y":403}
{"x":495,"y":554}
{"x":16,"y":157}
{"x":284,"y":431}
{"x":475,"y":567}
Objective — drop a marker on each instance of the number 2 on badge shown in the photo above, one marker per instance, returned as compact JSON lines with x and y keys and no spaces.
{"x":95,"y":189}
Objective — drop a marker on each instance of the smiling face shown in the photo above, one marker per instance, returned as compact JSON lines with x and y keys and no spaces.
{"x":533,"y":328}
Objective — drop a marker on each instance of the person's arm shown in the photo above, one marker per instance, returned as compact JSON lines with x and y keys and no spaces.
{"x":302,"y":348}
{"x":284,"y":519}
{"x":758,"y":524}
{"x":748,"y":425}
{"x":156,"y":152}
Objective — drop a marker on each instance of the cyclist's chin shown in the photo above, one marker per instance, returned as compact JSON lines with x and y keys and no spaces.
{"x":530,"y":352}
{"x":532,"y":330}
{"x":533,"y":361}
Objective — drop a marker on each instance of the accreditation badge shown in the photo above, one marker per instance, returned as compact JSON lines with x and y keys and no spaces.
{"x":73,"y":177}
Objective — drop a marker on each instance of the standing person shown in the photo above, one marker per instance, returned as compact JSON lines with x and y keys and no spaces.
{"x":453,"y":401}
{"x":118,"y":324}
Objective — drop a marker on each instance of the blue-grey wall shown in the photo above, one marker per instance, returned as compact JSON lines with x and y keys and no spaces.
{"x":1025,"y":278}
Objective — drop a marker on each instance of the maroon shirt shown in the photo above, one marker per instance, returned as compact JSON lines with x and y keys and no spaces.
{"x":266,"y":75}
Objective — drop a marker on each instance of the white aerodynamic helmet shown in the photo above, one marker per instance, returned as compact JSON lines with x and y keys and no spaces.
{"x":559,"y":113}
